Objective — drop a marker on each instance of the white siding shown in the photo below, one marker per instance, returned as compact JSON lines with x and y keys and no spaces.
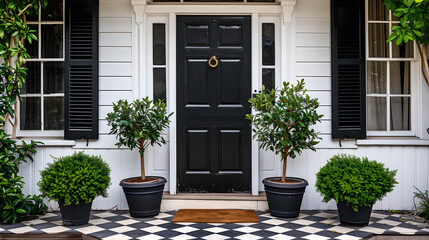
{"x":312,"y":37}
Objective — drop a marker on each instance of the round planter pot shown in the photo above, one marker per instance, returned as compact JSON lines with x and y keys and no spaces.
{"x":144,"y":199}
{"x":75,"y":214}
{"x":284,"y":199}
{"x":352,"y":218}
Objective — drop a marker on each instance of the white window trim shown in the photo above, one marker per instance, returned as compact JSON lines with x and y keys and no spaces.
{"x":277,"y":43}
{"x":163,"y":19}
{"x":43,"y":133}
{"x":415,"y":83}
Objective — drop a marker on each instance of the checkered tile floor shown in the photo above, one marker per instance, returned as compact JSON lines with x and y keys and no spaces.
{"x":318,"y":225}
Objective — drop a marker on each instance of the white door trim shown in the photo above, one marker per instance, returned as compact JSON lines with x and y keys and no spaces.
{"x":144,"y":11}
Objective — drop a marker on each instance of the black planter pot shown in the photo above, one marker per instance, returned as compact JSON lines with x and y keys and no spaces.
{"x":352,"y":218}
{"x":75,"y":214}
{"x":284,"y":199}
{"x":144,"y":199}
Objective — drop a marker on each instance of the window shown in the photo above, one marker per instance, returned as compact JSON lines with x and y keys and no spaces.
{"x":372,"y":81}
{"x":42,"y":107}
{"x":269,"y":53}
{"x":268,"y":56}
{"x":159,"y":61}
{"x":388,"y":75}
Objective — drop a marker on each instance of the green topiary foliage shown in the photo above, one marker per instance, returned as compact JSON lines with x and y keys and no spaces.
{"x":356,"y":181}
{"x":76,"y":178}
{"x":283,"y":120}
{"x":139,"y":124}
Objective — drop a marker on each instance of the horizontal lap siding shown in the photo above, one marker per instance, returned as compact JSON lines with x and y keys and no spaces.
{"x":115,"y":58}
{"x":313,"y":55}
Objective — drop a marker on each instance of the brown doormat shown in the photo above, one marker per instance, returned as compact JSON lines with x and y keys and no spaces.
{"x":216,"y":216}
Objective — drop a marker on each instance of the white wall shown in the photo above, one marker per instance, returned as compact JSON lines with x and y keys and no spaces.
{"x":312,"y":24}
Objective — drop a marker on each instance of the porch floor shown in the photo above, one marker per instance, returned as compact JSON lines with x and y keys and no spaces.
{"x":318,"y":225}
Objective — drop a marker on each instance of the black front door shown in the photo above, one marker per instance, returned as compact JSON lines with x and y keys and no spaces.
{"x":213,"y":136}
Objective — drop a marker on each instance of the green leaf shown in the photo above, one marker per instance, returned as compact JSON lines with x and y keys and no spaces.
{"x":20,"y":210}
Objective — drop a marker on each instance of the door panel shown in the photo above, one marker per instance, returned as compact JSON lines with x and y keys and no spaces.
{"x":229,"y":148}
{"x":196,"y":81}
{"x":231,"y":81}
{"x":214,"y":138}
{"x":198,"y":150}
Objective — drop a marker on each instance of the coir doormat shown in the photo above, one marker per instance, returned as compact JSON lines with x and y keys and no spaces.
{"x":216,"y":216}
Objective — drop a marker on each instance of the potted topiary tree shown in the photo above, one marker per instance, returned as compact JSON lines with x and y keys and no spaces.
{"x":355,"y":184}
{"x":139,"y":125}
{"x":74,"y":181}
{"x":282,"y":124}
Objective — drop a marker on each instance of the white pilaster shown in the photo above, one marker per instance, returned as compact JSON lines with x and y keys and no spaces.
{"x":139,"y":7}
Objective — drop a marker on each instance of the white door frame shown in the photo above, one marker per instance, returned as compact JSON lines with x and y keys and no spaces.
{"x":143,"y":11}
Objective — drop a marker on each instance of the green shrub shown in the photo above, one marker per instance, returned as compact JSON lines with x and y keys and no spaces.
{"x":76,"y":178}
{"x":15,"y":206}
{"x":356,"y":181}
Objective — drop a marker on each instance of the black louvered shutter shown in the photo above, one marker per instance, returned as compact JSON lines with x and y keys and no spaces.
{"x":81,"y":70}
{"x":348,"y":69}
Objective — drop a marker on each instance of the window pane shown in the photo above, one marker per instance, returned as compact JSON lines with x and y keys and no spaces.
{"x":52,"y":41}
{"x":33,"y":17}
{"x":377,"y":11}
{"x":54,"y":113}
{"x":158,"y":44}
{"x":268,"y":54}
{"x":32,"y":81}
{"x":376,"y":114}
{"x":376,"y":75}
{"x":53,"y":11}
{"x":378,"y":34}
{"x":30,"y":112}
{"x":159,"y":84}
{"x":400,"y":114}
{"x":53,"y":77}
{"x":268,"y":78}
{"x":400,"y":77}
{"x":33,"y":48}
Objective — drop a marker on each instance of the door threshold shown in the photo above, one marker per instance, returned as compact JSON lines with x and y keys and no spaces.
{"x":216,"y":196}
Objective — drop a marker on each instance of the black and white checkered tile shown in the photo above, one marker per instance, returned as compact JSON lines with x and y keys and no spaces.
{"x":310,"y":225}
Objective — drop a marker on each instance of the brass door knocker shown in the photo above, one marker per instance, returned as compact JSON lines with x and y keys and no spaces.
{"x":216,"y":62}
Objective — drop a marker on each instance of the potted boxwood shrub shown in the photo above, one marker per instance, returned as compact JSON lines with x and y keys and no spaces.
{"x":74,"y":181}
{"x":139,"y":125}
{"x":282,"y":124}
{"x":355,"y":184}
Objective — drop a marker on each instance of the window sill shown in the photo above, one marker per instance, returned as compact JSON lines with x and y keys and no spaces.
{"x":376,"y":141}
{"x":52,"y":142}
